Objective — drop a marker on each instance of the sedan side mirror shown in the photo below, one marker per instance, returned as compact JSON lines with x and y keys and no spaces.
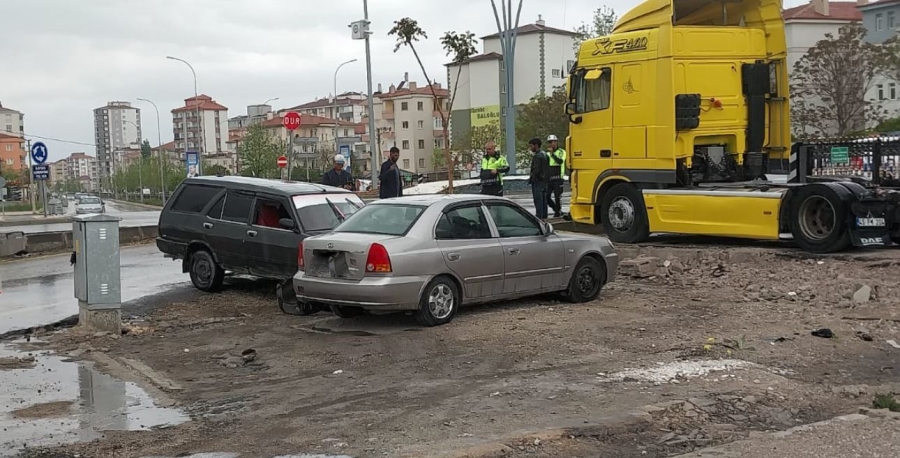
{"x":286,"y":223}
{"x":547,"y":229}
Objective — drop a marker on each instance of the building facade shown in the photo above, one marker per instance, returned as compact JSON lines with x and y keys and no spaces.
{"x":12,"y":122}
{"x":407,"y":117}
{"x":12,"y":153}
{"x":79,"y":168}
{"x":348,"y":107}
{"x":116,"y":125}
{"x":882,"y":22}
{"x":255,"y":115}
{"x":315,"y":143}
{"x":200,"y":125}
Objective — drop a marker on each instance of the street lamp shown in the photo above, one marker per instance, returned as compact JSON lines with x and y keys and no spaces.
{"x":270,"y":100}
{"x":140,"y":160}
{"x":199,"y":116}
{"x":336,"y":103}
{"x":162,"y":169}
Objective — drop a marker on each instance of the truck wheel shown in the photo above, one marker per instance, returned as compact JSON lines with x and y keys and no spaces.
{"x":818,"y":220}
{"x":623,"y":214}
{"x":206,"y":275}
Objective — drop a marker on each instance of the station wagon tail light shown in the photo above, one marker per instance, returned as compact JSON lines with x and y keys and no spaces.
{"x":378,"y":259}
{"x":300,"y":264}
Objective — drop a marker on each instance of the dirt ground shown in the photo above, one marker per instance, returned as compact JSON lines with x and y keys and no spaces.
{"x":691,"y":348}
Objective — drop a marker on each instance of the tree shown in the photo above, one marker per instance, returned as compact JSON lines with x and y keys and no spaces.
{"x":259,"y":153}
{"x":146,"y":149}
{"x":602,"y":25}
{"x":216,"y":169}
{"x":830,"y":83}
{"x":541,"y":117}
{"x":459,"y":45}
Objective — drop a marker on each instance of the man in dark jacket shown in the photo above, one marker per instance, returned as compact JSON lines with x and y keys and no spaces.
{"x":391,"y":183}
{"x":539,"y":178}
{"x":338,"y":177}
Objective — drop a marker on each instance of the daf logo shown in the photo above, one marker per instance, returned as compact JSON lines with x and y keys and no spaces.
{"x":330,"y":246}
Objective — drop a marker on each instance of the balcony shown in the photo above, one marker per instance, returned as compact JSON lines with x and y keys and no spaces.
{"x":388,"y":115}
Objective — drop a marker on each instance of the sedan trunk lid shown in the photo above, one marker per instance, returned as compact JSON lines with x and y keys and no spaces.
{"x":339,"y":255}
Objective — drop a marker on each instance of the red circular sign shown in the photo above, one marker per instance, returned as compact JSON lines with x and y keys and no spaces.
{"x":282,"y":161}
{"x":291,"y":120}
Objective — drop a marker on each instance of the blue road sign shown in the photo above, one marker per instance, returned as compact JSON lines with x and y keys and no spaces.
{"x":345,"y":151}
{"x":39,"y":152}
{"x":40,"y":172}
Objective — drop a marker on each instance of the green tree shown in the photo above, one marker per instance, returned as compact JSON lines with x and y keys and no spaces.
{"x":146,"y":149}
{"x":216,"y":169}
{"x":259,"y":153}
{"x":602,"y":25}
{"x":461,"y":46}
{"x":541,"y":117}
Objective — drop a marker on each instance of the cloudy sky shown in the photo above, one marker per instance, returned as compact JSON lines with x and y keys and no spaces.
{"x":63,"y":58}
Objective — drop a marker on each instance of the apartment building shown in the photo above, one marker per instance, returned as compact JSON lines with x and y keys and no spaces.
{"x":255,"y":115}
{"x":12,"y":152}
{"x":543,"y":58}
{"x":347,"y":107}
{"x":116,"y":125}
{"x":406,"y":116}
{"x":59,"y":172}
{"x":315,"y":143}
{"x":200,"y":125}
{"x":12,"y":122}
{"x":882,"y":22}
{"x":80,"y":167}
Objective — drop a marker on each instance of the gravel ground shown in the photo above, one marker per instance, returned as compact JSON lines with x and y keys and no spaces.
{"x":718,"y":340}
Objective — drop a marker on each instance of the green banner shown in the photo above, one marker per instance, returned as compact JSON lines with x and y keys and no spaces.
{"x":840,"y":155}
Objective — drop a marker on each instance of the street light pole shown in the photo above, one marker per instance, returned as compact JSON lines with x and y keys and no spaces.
{"x":334,"y":130}
{"x":199,"y":117}
{"x":162,"y":169}
{"x":140,"y":160}
{"x":371,"y":106}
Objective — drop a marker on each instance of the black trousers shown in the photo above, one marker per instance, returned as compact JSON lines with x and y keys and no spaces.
{"x":492,"y":191}
{"x":554,"y":197}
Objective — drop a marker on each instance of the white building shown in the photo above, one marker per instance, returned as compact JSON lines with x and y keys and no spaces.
{"x":186,"y":125}
{"x":116,"y":125}
{"x":543,"y":58}
{"x":12,"y":122}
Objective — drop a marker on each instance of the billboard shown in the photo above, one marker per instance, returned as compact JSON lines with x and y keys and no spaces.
{"x":482,"y":116}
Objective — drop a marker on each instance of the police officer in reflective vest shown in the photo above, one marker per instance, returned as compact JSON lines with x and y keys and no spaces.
{"x":558,"y":171}
{"x":493,"y":167}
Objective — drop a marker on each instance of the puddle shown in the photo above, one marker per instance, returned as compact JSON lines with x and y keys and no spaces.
{"x":57,"y":402}
{"x":668,"y":372}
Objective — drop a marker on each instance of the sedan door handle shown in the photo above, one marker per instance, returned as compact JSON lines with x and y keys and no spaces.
{"x":252,"y":233}
{"x":207,"y":226}
{"x":512,"y":250}
{"x":453,"y":256}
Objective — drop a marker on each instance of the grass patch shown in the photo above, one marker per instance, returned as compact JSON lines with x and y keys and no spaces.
{"x":886,"y":401}
{"x":20,"y":206}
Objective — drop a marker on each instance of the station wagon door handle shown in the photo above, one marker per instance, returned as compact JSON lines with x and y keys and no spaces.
{"x":512,"y":250}
{"x":252,"y":233}
{"x":207,"y":225}
{"x":453,"y":256}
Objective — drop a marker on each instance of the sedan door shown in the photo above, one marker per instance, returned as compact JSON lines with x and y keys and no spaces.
{"x":471,"y":251}
{"x":534,"y":262}
{"x":270,"y":247}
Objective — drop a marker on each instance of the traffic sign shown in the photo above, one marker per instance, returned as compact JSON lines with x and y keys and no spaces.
{"x":40,"y":172}
{"x":282,"y":161}
{"x":840,"y":155}
{"x":39,"y":152}
{"x":291,"y":120}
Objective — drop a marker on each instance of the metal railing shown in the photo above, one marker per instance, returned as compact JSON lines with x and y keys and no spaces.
{"x":872,"y":161}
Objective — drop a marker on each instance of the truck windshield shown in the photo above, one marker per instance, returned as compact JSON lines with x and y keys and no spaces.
{"x":323,"y":212}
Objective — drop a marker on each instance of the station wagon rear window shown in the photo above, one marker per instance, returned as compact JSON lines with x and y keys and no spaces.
{"x":383,"y":219}
{"x":324,"y":212}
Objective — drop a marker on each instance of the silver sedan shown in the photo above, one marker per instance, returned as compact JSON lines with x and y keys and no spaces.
{"x":432,"y":254}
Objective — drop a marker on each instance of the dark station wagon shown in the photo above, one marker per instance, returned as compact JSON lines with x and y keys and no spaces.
{"x":250,"y":226}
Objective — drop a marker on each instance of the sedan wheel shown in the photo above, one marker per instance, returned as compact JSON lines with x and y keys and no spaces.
{"x":587,"y":280}
{"x":439,"y":302}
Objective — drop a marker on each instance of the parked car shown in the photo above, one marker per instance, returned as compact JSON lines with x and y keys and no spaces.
{"x":80,"y":195}
{"x":247,"y":226}
{"x":89,"y":204}
{"x":433,"y":254}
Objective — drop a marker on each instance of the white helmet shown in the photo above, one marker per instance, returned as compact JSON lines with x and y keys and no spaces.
{"x":552,"y":138}
{"x":340,"y":159}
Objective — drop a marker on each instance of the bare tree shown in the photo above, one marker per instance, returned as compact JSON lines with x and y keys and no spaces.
{"x":602,"y":25}
{"x":459,"y":45}
{"x":831,"y":81}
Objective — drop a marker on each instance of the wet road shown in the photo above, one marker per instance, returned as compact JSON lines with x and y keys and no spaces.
{"x":41,"y":291}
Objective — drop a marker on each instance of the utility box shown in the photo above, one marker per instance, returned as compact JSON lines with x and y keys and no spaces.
{"x":98,"y":281}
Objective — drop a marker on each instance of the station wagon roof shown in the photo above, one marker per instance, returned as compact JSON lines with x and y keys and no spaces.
{"x":264,"y":184}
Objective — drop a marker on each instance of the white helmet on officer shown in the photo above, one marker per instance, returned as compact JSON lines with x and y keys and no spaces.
{"x":552,"y":138}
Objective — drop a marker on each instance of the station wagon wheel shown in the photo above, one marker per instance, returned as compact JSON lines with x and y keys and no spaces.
{"x":206,"y":275}
{"x":623,"y":215}
{"x":587,"y":280}
{"x":439,"y":302}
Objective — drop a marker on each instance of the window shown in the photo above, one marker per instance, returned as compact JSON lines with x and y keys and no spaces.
{"x":438,"y":124}
{"x":216,"y":211}
{"x":420,"y":106}
{"x":8,"y":147}
{"x":438,"y":142}
{"x":237,"y":207}
{"x":346,"y":132}
{"x":405,"y":124}
{"x":421,"y":124}
{"x":404,"y":106}
{"x":592,"y":90}
{"x":513,"y":222}
{"x":880,"y":91}
{"x":463,"y":224}
{"x":421,"y":161}
{"x":879,"y":22}
{"x":406,"y":164}
{"x":269,"y":213}
{"x":570,"y":65}
{"x":890,"y":20}
{"x":193,"y":198}
{"x":893,"y":90}
{"x":382,"y":219}
{"x":503,"y":89}
{"x":556,"y":73}
{"x":405,"y":144}
{"x":9,"y":128}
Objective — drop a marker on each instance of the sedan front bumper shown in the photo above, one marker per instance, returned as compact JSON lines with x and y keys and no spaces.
{"x":381,"y":293}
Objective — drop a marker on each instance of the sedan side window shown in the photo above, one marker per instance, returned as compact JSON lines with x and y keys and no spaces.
{"x":513,"y":222}
{"x":237,"y":208}
{"x":462,"y":224}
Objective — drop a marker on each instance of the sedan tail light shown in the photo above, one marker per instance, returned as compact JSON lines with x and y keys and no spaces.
{"x":378,"y":259}
{"x":300,"y":264}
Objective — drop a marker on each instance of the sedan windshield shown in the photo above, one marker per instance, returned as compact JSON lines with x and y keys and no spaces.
{"x":89,"y":201}
{"x":323,"y":212}
{"x":383,"y":219}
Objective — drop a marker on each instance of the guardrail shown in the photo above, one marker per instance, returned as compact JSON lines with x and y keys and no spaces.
{"x":61,"y":241}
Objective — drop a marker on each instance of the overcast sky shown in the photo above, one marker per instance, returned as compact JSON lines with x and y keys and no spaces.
{"x":63,"y":58}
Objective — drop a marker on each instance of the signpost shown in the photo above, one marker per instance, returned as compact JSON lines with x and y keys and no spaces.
{"x":282,"y":162}
{"x":40,"y":172}
{"x":291,"y":122}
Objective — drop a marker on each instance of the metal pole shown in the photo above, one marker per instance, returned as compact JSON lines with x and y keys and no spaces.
{"x":162,"y":169}
{"x":334,"y":130}
{"x":31,"y":180}
{"x":372,"y":145}
{"x":140,"y":162}
{"x":200,"y":152}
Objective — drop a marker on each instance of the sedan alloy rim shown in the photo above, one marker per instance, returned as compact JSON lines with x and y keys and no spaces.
{"x":440,"y":301}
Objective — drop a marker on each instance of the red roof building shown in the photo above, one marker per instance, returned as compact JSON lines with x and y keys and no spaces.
{"x":200,"y":125}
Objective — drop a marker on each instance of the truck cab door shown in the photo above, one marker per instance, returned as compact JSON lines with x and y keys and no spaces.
{"x":590,"y":136}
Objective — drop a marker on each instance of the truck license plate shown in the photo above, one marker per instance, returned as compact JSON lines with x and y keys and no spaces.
{"x":870,"y":222}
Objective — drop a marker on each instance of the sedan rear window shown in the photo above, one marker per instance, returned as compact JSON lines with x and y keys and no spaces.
{"x":383,"y":219}
{"x":89,"y":201}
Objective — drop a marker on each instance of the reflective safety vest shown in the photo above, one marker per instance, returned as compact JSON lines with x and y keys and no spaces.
{"x":493,"y":163}
{"x":558,"y":167}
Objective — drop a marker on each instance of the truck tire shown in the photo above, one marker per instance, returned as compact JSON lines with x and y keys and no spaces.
{"x":818,"y":218}
{"x":624,"y":215}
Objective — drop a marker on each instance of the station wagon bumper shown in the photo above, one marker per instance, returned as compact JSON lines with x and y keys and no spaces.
{"x":376,"y":293}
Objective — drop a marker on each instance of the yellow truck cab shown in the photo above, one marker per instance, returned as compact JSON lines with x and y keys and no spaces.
{"x":675,"y":119}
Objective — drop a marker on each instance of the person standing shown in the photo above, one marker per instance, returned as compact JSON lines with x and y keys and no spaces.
{"x":557,"y":158}
{"x":338,"y":177}
{"x":391,"y":183}
{"x":539,"y":178}
{"x":493,"y":167}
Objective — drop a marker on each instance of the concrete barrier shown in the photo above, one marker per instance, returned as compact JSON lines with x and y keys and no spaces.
{"x":60,"y":241}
